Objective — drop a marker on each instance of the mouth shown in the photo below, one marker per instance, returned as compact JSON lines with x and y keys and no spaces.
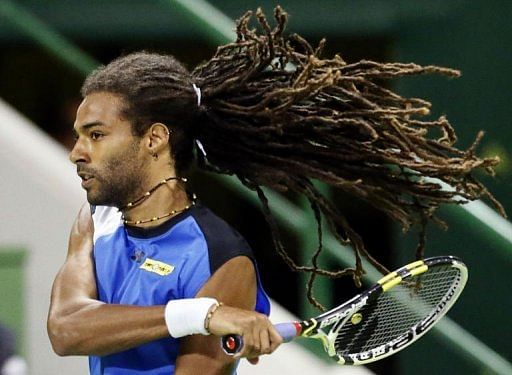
{"x":86,"y":179}
{"x":86,"y":183}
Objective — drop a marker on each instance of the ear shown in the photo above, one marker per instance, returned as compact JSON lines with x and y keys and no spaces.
{"x":157,"y":138}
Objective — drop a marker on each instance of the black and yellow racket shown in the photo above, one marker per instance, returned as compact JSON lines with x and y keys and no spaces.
{"x":396,"y":311}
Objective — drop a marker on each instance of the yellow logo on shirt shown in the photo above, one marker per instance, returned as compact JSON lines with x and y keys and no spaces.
{"x":155,"y":266}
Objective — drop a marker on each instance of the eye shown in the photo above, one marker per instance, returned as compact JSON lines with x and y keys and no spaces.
{"x":96,"y":136}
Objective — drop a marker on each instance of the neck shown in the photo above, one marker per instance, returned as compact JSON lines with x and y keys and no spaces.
{"x":162,"y":201}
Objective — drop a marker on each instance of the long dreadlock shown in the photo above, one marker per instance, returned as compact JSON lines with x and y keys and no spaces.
{"x":276,"y":114}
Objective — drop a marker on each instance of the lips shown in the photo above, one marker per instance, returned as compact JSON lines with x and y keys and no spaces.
{"x":87,"y":179}
{"x":86,"y":183}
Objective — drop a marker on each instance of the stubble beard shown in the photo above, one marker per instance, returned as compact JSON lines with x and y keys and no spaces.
{"x":120,"y":180}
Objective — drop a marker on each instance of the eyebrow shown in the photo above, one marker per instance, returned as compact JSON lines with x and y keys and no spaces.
{"x":88,"y":125}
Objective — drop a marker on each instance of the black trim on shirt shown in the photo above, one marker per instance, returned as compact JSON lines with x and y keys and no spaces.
{"x":223,"y":241}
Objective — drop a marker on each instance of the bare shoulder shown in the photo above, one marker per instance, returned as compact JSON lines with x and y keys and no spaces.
{"x":83,"y":223}
{"x":81,"y":236}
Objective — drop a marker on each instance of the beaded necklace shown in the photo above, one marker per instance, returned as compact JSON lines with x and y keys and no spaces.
{"x":146,"y":195}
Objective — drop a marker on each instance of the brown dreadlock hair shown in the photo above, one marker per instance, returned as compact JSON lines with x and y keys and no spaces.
{"x":276,"y":114}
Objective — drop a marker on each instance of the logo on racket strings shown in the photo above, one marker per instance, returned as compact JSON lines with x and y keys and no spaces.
{"x":339,"y":318}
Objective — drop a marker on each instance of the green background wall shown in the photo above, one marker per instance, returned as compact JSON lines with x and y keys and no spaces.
{"x":11,"y":281}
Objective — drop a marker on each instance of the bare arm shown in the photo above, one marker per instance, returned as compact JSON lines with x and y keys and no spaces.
{"x":79,"y":324}
{"x":235,"y":285}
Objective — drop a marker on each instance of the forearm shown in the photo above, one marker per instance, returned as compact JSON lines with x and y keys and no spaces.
{"x":96,"y":328}
{"x":234,"y":284}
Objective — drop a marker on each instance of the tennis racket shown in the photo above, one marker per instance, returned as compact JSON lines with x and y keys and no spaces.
{"x":392,"y":314}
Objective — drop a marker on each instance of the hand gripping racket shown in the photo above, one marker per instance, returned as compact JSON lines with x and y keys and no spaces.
{"x":396,"y":311}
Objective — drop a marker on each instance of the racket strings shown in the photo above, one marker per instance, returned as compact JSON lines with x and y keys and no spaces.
{"x":394,"y":313}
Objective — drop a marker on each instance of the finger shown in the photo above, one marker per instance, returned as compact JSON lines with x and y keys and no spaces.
{"x":253,"y":361}
{"x":275,"y":339}
{"x":264,"y":342}
{"x":256,"y":349}
{"x":247,"y":349}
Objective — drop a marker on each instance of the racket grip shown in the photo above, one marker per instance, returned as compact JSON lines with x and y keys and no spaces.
{"x":232,"y":344}
{"x":288,"y":331}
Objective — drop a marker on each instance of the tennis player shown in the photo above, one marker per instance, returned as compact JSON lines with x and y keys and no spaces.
{"x":148,"y":265}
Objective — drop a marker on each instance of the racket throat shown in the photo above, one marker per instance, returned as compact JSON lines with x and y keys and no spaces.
{"x":311,"y":329}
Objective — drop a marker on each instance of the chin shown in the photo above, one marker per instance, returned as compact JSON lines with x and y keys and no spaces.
{"x":96,"y":200}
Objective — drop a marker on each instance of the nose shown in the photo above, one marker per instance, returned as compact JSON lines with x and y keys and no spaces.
{"x":79,"y":153}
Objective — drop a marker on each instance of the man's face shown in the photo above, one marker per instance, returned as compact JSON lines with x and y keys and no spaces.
{"x":107,"y":155}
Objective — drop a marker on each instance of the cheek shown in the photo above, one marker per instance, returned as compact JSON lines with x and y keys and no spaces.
{"x":123,"y":162}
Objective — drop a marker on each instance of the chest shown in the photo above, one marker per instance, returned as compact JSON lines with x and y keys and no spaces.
{"x":149,"y":271}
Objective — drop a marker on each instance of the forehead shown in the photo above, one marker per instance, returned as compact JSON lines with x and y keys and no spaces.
{"x":100,"y":107}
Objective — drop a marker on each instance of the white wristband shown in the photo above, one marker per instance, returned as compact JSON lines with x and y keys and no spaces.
{"x":186,"y":316}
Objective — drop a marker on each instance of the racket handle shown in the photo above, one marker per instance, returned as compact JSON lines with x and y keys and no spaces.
{"x":288,"y":331}
{"x":232,"y":344}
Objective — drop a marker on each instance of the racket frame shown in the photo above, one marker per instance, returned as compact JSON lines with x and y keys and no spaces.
{"x":338,"y":316}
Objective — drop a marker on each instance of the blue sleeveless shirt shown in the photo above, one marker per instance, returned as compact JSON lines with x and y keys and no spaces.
{"x":150,"y":266}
